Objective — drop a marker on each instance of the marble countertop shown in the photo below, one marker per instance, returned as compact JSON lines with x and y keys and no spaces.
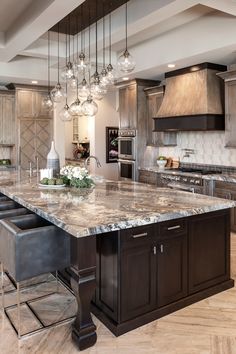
{"x":225,"y":177}
{"x":110,"y":206}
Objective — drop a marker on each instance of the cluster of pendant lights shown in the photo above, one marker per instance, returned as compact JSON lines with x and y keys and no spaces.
{"x":89,"y":87}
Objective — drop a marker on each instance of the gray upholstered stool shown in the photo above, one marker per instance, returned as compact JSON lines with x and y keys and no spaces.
{"x":31,"y":246}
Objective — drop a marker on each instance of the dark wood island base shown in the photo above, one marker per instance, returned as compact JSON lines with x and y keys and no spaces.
{"x":147,"y":272}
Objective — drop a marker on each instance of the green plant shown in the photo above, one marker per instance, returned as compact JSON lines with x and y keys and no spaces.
{"x":161,"y":158}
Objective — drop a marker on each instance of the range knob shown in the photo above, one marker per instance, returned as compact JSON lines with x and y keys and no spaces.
{"x":185,"y":179}
{"x":197,"y":182}
{"x":192,"y":181}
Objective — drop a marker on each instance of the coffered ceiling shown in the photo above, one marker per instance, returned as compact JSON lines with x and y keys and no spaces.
{"x":183,"y":32}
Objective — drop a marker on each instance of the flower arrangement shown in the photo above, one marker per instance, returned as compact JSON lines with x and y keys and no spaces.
{"x":75,"y":176}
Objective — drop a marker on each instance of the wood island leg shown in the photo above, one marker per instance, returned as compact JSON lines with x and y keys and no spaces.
{"x":83,"y":283}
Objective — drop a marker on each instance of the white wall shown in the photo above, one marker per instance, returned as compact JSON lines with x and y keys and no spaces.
{"x":209,"y":148}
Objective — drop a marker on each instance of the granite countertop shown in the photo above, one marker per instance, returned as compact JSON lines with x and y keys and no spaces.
{"x":108,"y":207}
{"x":225,"y":177}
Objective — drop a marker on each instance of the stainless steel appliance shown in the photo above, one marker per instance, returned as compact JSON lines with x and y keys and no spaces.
{"x":127,"y":164}
{"x":185,"y":179}
{"x":127,"y":144}
{"x":127,"y":169}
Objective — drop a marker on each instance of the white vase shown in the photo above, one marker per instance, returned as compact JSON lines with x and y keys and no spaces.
{"x":53,"y":160}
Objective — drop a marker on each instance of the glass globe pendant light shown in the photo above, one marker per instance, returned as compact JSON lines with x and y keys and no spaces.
{"x":111,"y":74}
{"x":57,"y":92}
{"x":75,"y":107}
{"x":126,"y":63}
{"x":65,"y":112}
{"x":81,"y":61}
{"x":89,"y":106}
{"x":73,"y":79}
{"x":68,"y":72}
{"x":47,"y":101}
{"x":83,"y":90}
{"x":97,"y":91}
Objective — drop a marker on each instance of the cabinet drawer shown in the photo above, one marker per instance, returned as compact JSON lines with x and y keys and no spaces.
{"x":137,"y":235}
{"x":172,"y":228}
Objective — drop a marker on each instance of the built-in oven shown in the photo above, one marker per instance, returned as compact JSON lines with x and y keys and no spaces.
{"x":127,"y":169}
{"x":127,"y":144}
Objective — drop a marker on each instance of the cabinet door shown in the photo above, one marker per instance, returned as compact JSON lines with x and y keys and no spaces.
{"x":171,"y":269}
{"x":138,"y":281}
{"x":43,"y":129}
{"x":128,"y":106}
{"x":8,"y":119}
{"x":208,"y":250}
{"x":1,"y":122}
{"x":27,"y":135}
{"x":230,"y":114}
{"x":25,"y":103}
{"x":233,"y":213}
{"x":221,"y":193}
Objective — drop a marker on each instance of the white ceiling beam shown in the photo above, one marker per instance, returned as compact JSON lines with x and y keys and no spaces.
{"x":25,"y":33}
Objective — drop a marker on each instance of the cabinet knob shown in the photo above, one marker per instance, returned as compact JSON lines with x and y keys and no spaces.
{"x":161,"y":248}
{"x":154,"y":250}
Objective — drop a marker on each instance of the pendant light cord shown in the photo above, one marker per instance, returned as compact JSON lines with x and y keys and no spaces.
{"x":126,"y":25}
{"x":96,"y":29}
{"x":58,"y":53}
{"x":48,"y":62}
{"x":109,"y":38}
{"x":103,"y":38}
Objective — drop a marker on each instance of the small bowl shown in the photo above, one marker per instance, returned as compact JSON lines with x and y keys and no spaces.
{"x":161,"y":164}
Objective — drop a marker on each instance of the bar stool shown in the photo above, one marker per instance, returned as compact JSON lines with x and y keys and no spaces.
{"x":31,"y":246}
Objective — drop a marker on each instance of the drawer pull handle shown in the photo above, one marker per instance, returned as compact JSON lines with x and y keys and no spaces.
{"x":161,"y":248}
{"x":140,"y":235}
{"x":173,"y":227}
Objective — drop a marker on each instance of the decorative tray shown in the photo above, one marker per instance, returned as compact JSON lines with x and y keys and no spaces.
{"x":52,"y":186}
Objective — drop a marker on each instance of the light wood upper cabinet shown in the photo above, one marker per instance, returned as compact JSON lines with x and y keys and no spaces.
{"x":230,"y":107}
{"x":154,"y":97}
{"x":29,"y":104}
{"x":7,"y":119}
{"x":128,"y":106}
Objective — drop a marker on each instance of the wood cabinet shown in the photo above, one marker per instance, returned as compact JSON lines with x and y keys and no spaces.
{"x":146,"y":272}
{"x":149,"y":177}
{"x":7,"y":119}
{"x":226,"y":190}
{"x":209,"y":251}
{"x":154,"y":98}
{"x":230,"y":107}
{"x":35,"y":126}
{"x":29,"y":104}
{"x":128,"y":106}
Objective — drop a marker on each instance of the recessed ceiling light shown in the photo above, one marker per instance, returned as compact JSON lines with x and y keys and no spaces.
{"x":34,"y":82}
{"x":171,"y":65}
{"x":125,"y":78}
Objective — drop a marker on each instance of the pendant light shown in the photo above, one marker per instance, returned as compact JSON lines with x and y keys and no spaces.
{"x":81,"y":62}
{"x":65,"y":112}
{"x":97,"y":91}
{"x":89,"y":106}
{"x":111,"y":74}
{"x":57,"y":93}
{"x":47,"y":102}
{"x":68,"y":72}
{"x":103,"y":75}
{"x":75,"y":107}
{"x":126,"y":63}
{"x":73,"y":80}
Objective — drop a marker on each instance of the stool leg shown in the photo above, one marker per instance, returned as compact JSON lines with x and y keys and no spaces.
{"x":2,"y":285}
{"x":18,"y":309}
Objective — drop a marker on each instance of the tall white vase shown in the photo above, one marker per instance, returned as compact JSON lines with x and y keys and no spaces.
{"x":53,"y":160}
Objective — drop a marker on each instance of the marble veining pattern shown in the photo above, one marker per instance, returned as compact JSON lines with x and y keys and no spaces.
{"x":109,"y":206}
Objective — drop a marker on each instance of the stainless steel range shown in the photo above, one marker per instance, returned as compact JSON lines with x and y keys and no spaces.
{"x":185,"y":179}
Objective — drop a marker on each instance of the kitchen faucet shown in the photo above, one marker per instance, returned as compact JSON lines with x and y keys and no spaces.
{"x":92,"y":157}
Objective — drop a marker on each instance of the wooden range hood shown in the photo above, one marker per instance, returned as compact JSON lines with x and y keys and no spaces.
{"x":193,"y":100}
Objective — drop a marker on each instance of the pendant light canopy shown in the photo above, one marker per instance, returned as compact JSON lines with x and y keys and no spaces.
{"x":57,"y":93}
{"x":47,"y":102}
{"x":126,"y":63}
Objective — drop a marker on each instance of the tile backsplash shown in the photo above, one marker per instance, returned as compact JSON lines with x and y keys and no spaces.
{"x":209,"y":148}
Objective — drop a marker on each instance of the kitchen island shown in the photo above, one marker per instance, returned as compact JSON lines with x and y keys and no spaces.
{"x":151,"y":250}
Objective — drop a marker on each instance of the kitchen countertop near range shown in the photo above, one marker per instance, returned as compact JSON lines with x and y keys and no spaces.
{"x":108,"y":207}
{"x":224,"y":177}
